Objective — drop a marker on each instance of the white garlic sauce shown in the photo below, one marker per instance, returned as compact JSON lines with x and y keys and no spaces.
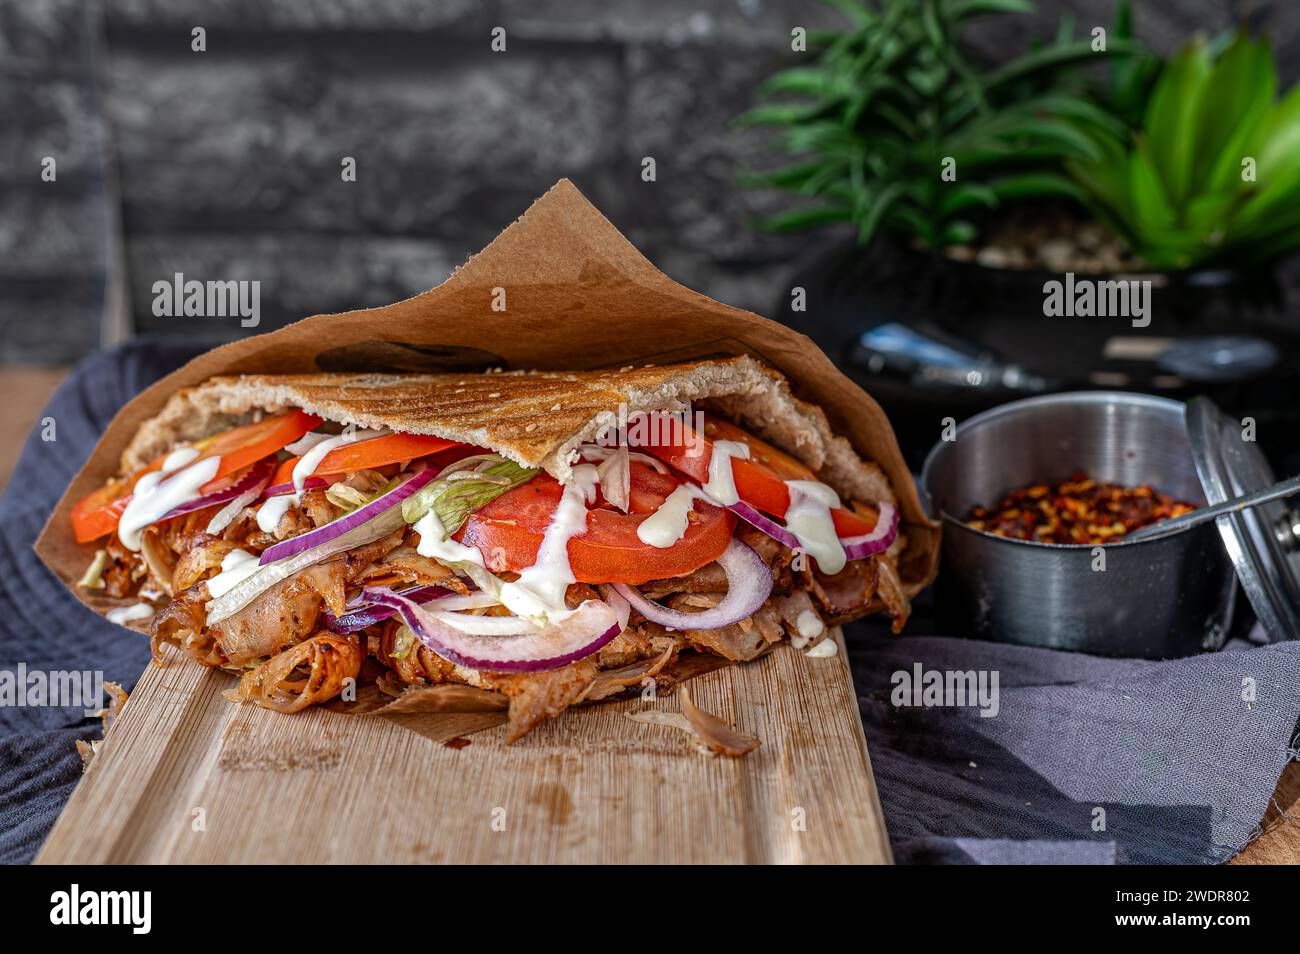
{"x":721,"y":486}
{"x":809,"y":519}
{"x":808,"y":626}
{"x":179,"y":458}
{"x":273,"y":509}
{"x":539,"y":591}
{"x":309,"y":461}
{"x":237,"y":566}
{"x":129,"y":614}
{"x":159,"y":492}
{"x":824,"y":650}
{"x":436,"y":542}
{"x":668,"y":523}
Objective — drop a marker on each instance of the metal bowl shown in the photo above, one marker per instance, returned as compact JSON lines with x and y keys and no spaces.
{"x":1155,"y":599}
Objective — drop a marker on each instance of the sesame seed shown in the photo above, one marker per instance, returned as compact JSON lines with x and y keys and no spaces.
{"x":555,"y":407}
{"x":494,"y":394}
{"x":531,"y":427}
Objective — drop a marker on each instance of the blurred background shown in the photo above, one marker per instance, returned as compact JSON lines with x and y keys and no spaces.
{"x":225,"y":164}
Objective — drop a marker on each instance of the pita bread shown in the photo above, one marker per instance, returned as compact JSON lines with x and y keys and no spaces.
{"x":536,"y":418}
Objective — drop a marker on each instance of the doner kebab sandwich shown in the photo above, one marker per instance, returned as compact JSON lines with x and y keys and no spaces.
{"x":552,"y":537}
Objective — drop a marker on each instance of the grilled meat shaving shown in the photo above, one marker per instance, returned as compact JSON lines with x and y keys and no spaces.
{"x":890,"y":590}
{"x":718,"y":737}
{"x":707,"y":732}
{"x":315,"y":670}
{"x":289,"y":663}
{"x":742,"y":641}
{"x":611,"y":682}
{"x":283,"y":616}
{"x":181,"y":623}
{"x":201,"y":562}
{"x":405,"y":567}
{"x":536,"y":697}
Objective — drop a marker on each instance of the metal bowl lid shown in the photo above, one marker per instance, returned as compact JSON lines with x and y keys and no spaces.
{"x":1264,"y":541}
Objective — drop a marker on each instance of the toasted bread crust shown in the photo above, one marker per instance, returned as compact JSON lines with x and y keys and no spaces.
{"x":533,"y":417}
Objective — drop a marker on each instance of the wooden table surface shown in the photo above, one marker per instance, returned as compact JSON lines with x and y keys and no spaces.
{"x":26,"y":391}
{"x":186,"y":777}
{"x":1280,"y":842}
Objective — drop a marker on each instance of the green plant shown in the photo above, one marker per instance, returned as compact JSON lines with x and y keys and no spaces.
{"x":893,"y":101}
{"x":1213,"y":177}
{"x":1131,"y":76}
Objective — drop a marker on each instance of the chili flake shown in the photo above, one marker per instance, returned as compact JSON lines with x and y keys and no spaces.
{"x":1076,"y":511}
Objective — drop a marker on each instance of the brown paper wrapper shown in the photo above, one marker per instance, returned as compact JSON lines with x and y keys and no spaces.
{"x":579,"y":296}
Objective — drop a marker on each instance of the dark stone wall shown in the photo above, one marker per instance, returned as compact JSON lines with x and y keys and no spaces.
{"x":229,"y":161}
{"x":226,"y":164}
{"x":54,"y":236}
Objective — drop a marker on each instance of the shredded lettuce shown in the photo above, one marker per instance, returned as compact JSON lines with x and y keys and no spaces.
{"x":487,"y":581}
{"x":403,"y":642}
{"x":359,"y":489}
{"x":464,"y":487}
{"x":345,"y":497}
{"x":93,"y":578}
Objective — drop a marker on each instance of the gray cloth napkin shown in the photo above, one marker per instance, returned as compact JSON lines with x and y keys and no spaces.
{"x":41,"y":624}
{"x":1182,"y":767}
{"x":1167,"y":755}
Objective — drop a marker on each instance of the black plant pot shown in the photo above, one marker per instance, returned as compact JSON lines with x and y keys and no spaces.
{"x":932,"y":338}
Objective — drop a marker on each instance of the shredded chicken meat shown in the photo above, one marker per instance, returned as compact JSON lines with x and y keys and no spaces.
{"x":281,"y":617}
{"x":287,"y":661}
{"x":315,"y":670}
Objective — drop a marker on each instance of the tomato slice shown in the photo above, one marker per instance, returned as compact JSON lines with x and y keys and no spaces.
{"x":760,"y":481}
{"x":241,"y":446}
{"x":369,"y":455}
{"x":508,"y":532}
{"x":98,"y":513}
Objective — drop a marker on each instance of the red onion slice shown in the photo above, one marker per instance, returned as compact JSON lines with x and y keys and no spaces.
{"x":765,"y":523}
{"x":311,"y":483}
{"x":227,"y":514}
{"x":880,"y":538}
{"x":264,"y":577}
{"x":749,"y":583}
{"x":367,"y":614}
{"x":597,"y":453}
{"x":579,"y":634}
{"x":314,"y":538}
{"x":258,"y":474}
{"x":855,"y":548}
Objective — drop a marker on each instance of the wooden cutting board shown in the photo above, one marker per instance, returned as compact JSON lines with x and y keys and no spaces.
{"x":184,"y":776}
